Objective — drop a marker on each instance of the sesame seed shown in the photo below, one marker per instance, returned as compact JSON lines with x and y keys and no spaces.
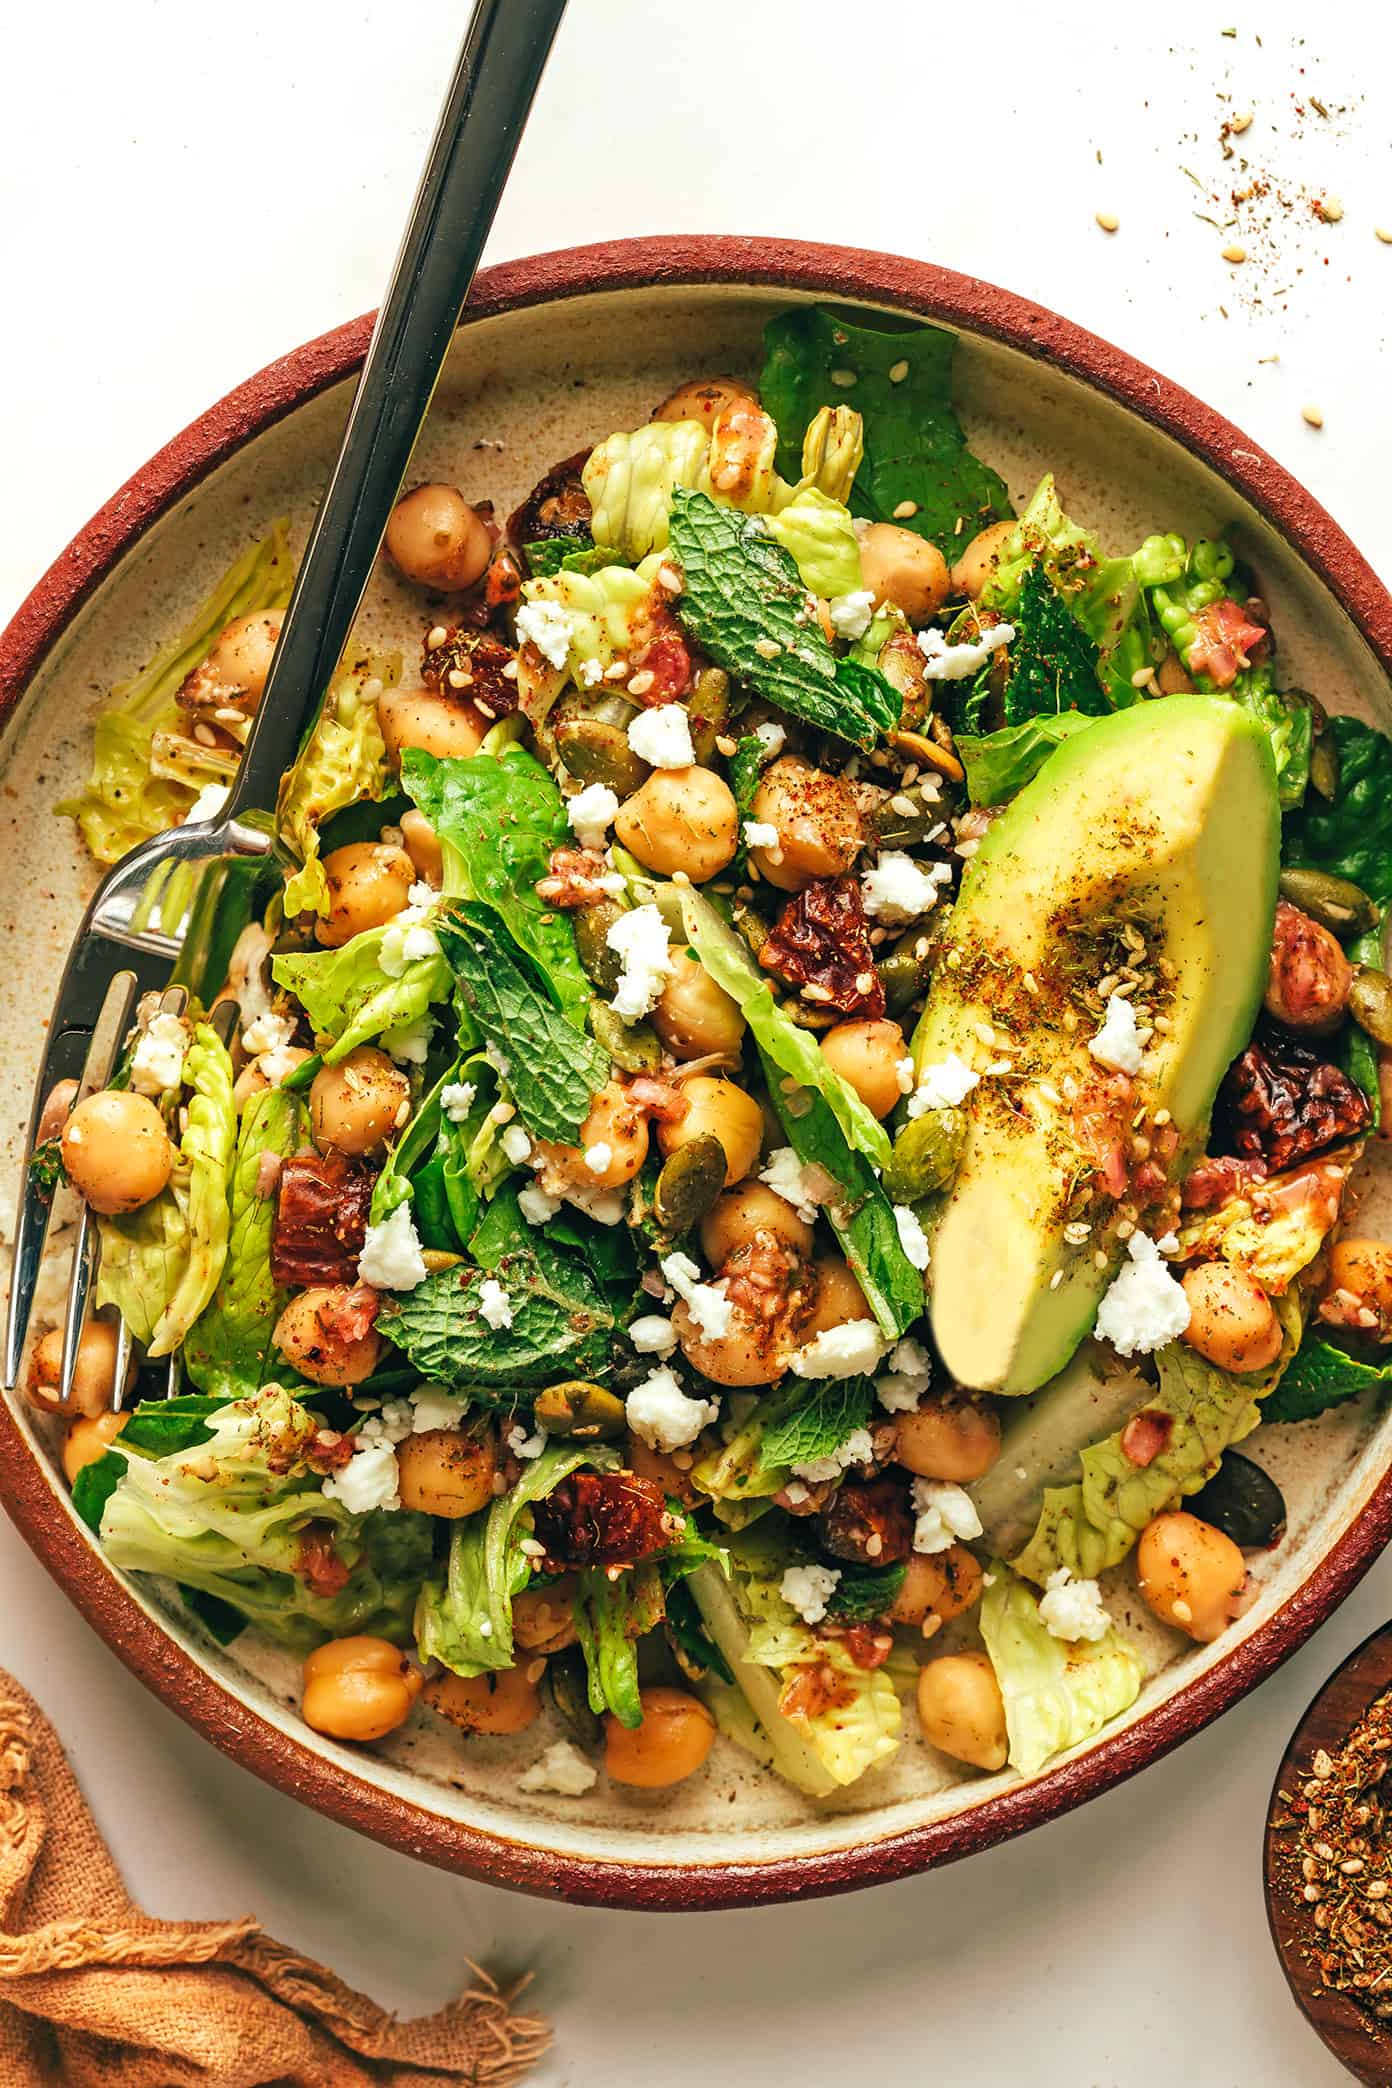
{"x":1239,"y":123}
{"x":642,"y":682}
{"x":905,"y":509}
{"x":437,"y":636}
{"x":767,"y":648}
{"x":456,"y":679}
{"x":509,"y":670}
{"x":898,"y":372}
{"x":1142,"y":676}
{"x":1329,"y":209}
{"x":864,"y":981}
{"x":904,"y":806}
{"x":1108,"y":220}
{"x":1234,"y":253}
{"x":1056,"y":1279}
{"x":724,"y":744}
{"x":616,"y":670}
{"x":1100,"y":1259}
{"x":1312,"y":416}
{"x":1182,"y":1610}
{"x":844,"y":379}
{"x":669,"y":578}
{"x":813,"y":992}
{"x":1384,"y":233}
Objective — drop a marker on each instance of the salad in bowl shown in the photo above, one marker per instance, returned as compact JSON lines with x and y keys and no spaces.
{"x":794,"y":1101}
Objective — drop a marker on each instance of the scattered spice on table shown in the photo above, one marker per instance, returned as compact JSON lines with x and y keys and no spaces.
{"x":1336,"y":1861}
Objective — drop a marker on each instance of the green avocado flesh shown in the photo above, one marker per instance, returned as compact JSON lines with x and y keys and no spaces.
{"x":1151,"y":842}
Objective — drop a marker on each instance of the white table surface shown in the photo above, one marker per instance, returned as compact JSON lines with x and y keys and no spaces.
{"x":185,"y":191}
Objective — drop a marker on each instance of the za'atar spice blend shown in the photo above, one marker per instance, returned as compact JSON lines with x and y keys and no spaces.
{"x":1334,"y":1861}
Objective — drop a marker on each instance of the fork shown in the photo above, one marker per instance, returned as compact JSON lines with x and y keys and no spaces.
{"x":124,"y":947}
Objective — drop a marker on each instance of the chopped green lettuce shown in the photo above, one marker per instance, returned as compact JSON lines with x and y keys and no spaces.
{"x":343,"y":761}
{"x":350,"y":999}
{"x":610,"y":1617}
{"x":228,"y":1347}
{"x":608,"y":613}
{"x":998,"y":764}
{"x":900,"y":382}
{"x":819,"y":536}
{"x":1322,"y":1375}
{"x":1352,"y":837}
{"x":126,"y":799}
{"x":1056,"y":1695}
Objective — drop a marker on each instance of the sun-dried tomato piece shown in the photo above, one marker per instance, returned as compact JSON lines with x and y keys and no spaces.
{"x":1145,"y":1436}
{"x":557,"y":506}
{"x":1102,"y":1113}
{"x":661,"y":664}
{"x":1225,"y":641}
{"x":603,"y":1519}
{"x":821,"y":944}
{"x":870,"y":1521}
{"x":320,"y":1221}
{"x":317,"y":1564}
{"x":1280,"y":1102}
{"x":473,"y":667}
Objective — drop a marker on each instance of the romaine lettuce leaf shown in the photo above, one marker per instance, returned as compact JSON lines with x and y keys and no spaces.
{"x":350,"y":999}
{"x":497,"y":822}
{"x":343,"y":761}
{"x":609,"y":613}
{"x":998,"y":764}
{"x":144,"y":1255}
{"x":125,"y":802}
{"x":1056,"y":1695}
{"x":819,"y":536}
{"x":1352,"y":837}
{"x":914,"y":449}
{"x":229,"y":1345}
{"x":610,"y":1617}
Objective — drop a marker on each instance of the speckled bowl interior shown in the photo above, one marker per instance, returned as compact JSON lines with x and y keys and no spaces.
{"x":524,"y":387}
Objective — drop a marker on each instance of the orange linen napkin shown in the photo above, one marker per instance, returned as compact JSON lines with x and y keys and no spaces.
{"x":95,"y":1994}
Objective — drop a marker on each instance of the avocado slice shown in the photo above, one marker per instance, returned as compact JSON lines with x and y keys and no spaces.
{"x":1150,"y":841}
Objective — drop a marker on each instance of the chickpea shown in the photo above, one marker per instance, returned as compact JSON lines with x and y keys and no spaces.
{"x":718,"y":1109}
{"x":116,"y":1150}
{"x":1191,"y":1575}
{"x":1231,"y":1319}
{"x":439,"y":725}
{"x":672,"y":1742}
{"x":978,"y":562}
{"x":423,"y":847}
{"x":308,"y":1334}
{"x":87,"y":1441}
{"x":838,"y":1299}
{"x":936,"y":1588}
{"x":1363,"y":1268}
{"x":948,"y":1438}
{"x":904,"y":569}
{"x":253,"y":1080}
{"x":681,"y":819}
{"x":961,"y":1711}
{"x":769,"y":1288}
{"x":504,"y":1700}
{"x":1309,"y":976}
{"x":240,"y":658}
{"x":820,"y":833}
{"x":615,"y":1121}
{"x":867,"y":1055}
{"x":358,"y":1688}
{"x":694,"y":1015}
{"x":93,"y":1377}
{"x":703,"y":400}
{"x":435,"y":538}
{"x":738,"y":1214}
{"x":444,"y":1471}
{"x":356,"y":1105}
{"x":368,"y":886}
{"x":543,"y":1619}
{"x":661,"y":1465}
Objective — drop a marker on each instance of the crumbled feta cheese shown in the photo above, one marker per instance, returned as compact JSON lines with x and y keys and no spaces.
{"x":858,"y":1448}
{"x":432,"y":1407}
{"x":653,"y":1335}
{"x":846,"y":1351}
{"x":547,"y":626}
{"x":773,"y":736}
{"x":943,"y":1085}
{"x":368,"y":1480}
{"x":912,"y":1237}
{"x":809,"y":1589}
{"x":706,"y":1302}
{"x":494,"y":1303}
{"x":1073,"y":1610}
{"x":945,"y":1514}
{"x":904,"y":1074}
{"x":944,"y":662}
{"x":1145,"y":1307}
{"x":268,"y":1032}
{"x":157,"y":1062}
{"x":409,"y":1042}
{"x":501,"y":1066}
{"x":591,"y":814}
{"x":851,"y":613}
{"x":516,"y":1143}
{"x":760,"y":833}
{"x":391,"y":1257}
{"x":588,"y":672}
{"x":208,"y":803}
{"x":898,"y":889}
{"x":663,"y":736}
{"x":661,"y":1415}
{"x":408,"y":935}
{"x":457,"y":1099}
{"x":523,"y":1445}
{"x":562,"y":1768}
{"x":535,"y":1205}
{"x":905,"y":1382}
{"x":805,"y":1188}
{"x":599,"y":1157}
{"x":640,"y":938}
{"x":390,"y":1424}
{"x":1168,"y":1243}
{"x":1118,"y":1043}
{"x":605,"y":1206}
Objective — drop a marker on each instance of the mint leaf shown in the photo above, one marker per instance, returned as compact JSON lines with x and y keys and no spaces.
{"x":1053,"y":661}
{"x":498,"y":821}
{"x":1352,"y":838}
{"x":747,"y":764}
{"x":742,"y":592}
{"x":865,"y":1592}
{"x":552,"y":1069}
{"x":94,"y":1486}
{"x":218,"y":1618}
{"x":1321,"y":1376}
{"x":914,"y":446}
{"x":561,"y":1324}
{"x":998,"y":764}
{"x":162,"y":1427}
{"x":825,"y":1414}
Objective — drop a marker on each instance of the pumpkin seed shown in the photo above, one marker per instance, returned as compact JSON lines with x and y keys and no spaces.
{"x":1370,"y":1003}
{"x":595,"y":750}
{"x":592,"y":925}
{"x":905,"y":972}
{"x":579,"y":1408}
{"x":1344,"y":908}
{"x":918,"y":813}
{"x":438,"y":1258}
{"x":689,"y":1182}
{"x":568,"y":1681}
{"x":925,"y":1155}
{"x":1325,"y":766}
{"x":1242,"y":1501}
{"x":708,"y":707}
{"x":632,"y":1045}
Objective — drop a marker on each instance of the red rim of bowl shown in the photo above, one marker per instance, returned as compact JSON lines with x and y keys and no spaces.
{"x":31,"y":1498}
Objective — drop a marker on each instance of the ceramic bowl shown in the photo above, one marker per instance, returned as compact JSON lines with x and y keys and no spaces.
{"x":554,"y":353}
